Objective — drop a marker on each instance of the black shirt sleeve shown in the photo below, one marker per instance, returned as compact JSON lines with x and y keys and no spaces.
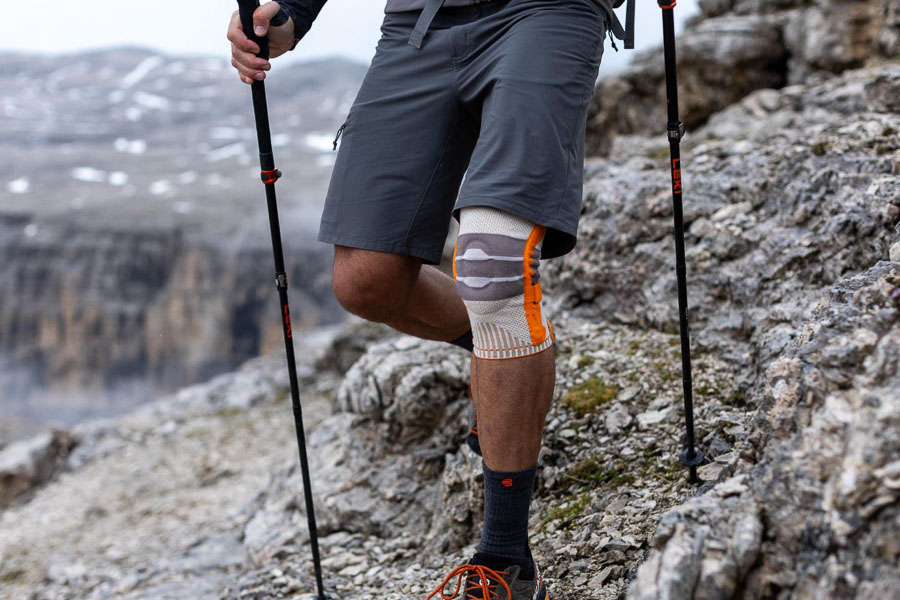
{"x":303,"y":13}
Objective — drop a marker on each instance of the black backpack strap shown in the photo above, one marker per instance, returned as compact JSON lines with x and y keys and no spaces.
{"x":626,"y":34}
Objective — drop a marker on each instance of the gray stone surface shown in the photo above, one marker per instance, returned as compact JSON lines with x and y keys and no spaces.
{"x":785,"y":192}
{"x":736,"y":48}
{"x":818,"y":513}
{"x":29,"y":463}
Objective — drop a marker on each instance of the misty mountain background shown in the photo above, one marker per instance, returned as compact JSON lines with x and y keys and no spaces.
{"x":135,"y":254}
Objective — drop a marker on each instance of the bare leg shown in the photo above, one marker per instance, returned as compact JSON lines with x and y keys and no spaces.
{"x":512,"y":397}
{"x":399,"y":291}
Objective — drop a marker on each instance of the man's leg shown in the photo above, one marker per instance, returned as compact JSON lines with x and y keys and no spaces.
{"x":396,"y":289}
{"x":512,"y":398}
{"x":513,"y":371}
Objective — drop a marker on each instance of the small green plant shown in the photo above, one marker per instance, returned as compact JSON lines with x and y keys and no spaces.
{"x":12,"y":576}
{"x":652,"y":468}
{"x":587,"y":397}
{"x":664,"y":368}
{"x":591,"y":471}
{"x":230,"y":411}
{"x":572,"y":510}
{"x":669,"y":470}
{"x":586,"y":471}
{"x":738,"y":399}
{"x":584,"y":360}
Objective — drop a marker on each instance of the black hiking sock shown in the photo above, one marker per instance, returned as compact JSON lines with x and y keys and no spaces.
{"x":507,"y":498}
{"x":472,"y":438}
{"x":464,"y":341}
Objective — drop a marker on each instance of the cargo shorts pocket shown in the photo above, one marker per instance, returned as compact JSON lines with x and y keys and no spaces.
{"x":339,"y":173}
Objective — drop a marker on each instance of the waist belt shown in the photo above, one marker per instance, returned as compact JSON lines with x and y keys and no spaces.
{"x":625,"y":34}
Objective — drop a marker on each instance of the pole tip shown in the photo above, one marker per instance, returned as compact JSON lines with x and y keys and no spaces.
{"x":692,"y":460}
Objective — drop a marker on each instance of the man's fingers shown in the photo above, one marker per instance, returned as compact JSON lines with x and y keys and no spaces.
{"x":246,"y":75}
{"x":250,"y":72}
{"x":237,"y":37}
{"x":250,"y":60}
{"x":262,"y":16}
{"x":248,"y":64}
{"x":250,"y":67}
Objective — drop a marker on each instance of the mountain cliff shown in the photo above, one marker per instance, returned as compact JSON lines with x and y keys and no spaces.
{"x":134,"y":247}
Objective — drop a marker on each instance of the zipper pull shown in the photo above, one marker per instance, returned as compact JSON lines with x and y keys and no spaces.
{"x":339,"y":132}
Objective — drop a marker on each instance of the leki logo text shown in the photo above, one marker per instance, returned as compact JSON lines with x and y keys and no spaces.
{"x":287,"y":320}
{"x":676,"y":176}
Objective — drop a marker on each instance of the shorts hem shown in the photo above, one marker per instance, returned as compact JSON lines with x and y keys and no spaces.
{"x":430,"y":257}
{"x":524,"y":212}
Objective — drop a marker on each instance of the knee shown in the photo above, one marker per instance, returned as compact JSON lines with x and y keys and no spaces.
{"x":372,"y":285}
{"x":496,"y":271}
{"x":364,"y":294}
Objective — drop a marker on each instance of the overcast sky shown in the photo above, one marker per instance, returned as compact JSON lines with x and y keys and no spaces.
{"x":344,"y":27}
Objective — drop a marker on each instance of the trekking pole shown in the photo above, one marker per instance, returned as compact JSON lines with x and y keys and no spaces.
{"x":690,"y":456}
{"x":270,"y":175}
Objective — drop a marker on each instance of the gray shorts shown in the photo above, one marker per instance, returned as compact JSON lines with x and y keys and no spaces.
{"x":500,"y":88}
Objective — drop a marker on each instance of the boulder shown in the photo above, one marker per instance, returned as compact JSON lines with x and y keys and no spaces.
{"x":825,"y":497}
{"x":735,"y":48}
{"x":26,"y":464}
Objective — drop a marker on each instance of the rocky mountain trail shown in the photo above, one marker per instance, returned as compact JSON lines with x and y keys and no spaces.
{"x":398,"y":492}
{"x":792,"y":204}
{"x":150,"y":505}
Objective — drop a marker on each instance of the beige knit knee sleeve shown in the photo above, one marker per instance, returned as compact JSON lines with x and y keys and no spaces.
{"x":495,"y":266}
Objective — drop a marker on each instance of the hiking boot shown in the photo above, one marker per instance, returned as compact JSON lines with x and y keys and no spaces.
{"x":484,"y":583}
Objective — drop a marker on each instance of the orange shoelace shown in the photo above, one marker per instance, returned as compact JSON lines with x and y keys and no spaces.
{"x":485,"y":576}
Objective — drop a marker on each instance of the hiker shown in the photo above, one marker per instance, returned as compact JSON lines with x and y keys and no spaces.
{"x":498,"y":91}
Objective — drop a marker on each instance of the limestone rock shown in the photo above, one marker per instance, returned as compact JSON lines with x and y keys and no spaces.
{"x":377,"y":461}
{"x":736,"y":48}
{"x":720,"y":61}
{"x":823,"y":175}
{"x":29,"y":463}
{"x":823,"y":487}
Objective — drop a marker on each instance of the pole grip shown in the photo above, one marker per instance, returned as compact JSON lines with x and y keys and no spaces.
{"x":246,"y":9}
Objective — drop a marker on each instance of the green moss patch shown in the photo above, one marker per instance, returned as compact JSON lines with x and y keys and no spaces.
{"x":570,"y":511}
{"x":587,"y":397}
{"x":230,"y":411}
{"x":13,"y":576}
{"x":591,"y":471}
{"x":584,"y":361}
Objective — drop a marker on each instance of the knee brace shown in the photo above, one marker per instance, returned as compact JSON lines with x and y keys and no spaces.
{"x":495,"y":265}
